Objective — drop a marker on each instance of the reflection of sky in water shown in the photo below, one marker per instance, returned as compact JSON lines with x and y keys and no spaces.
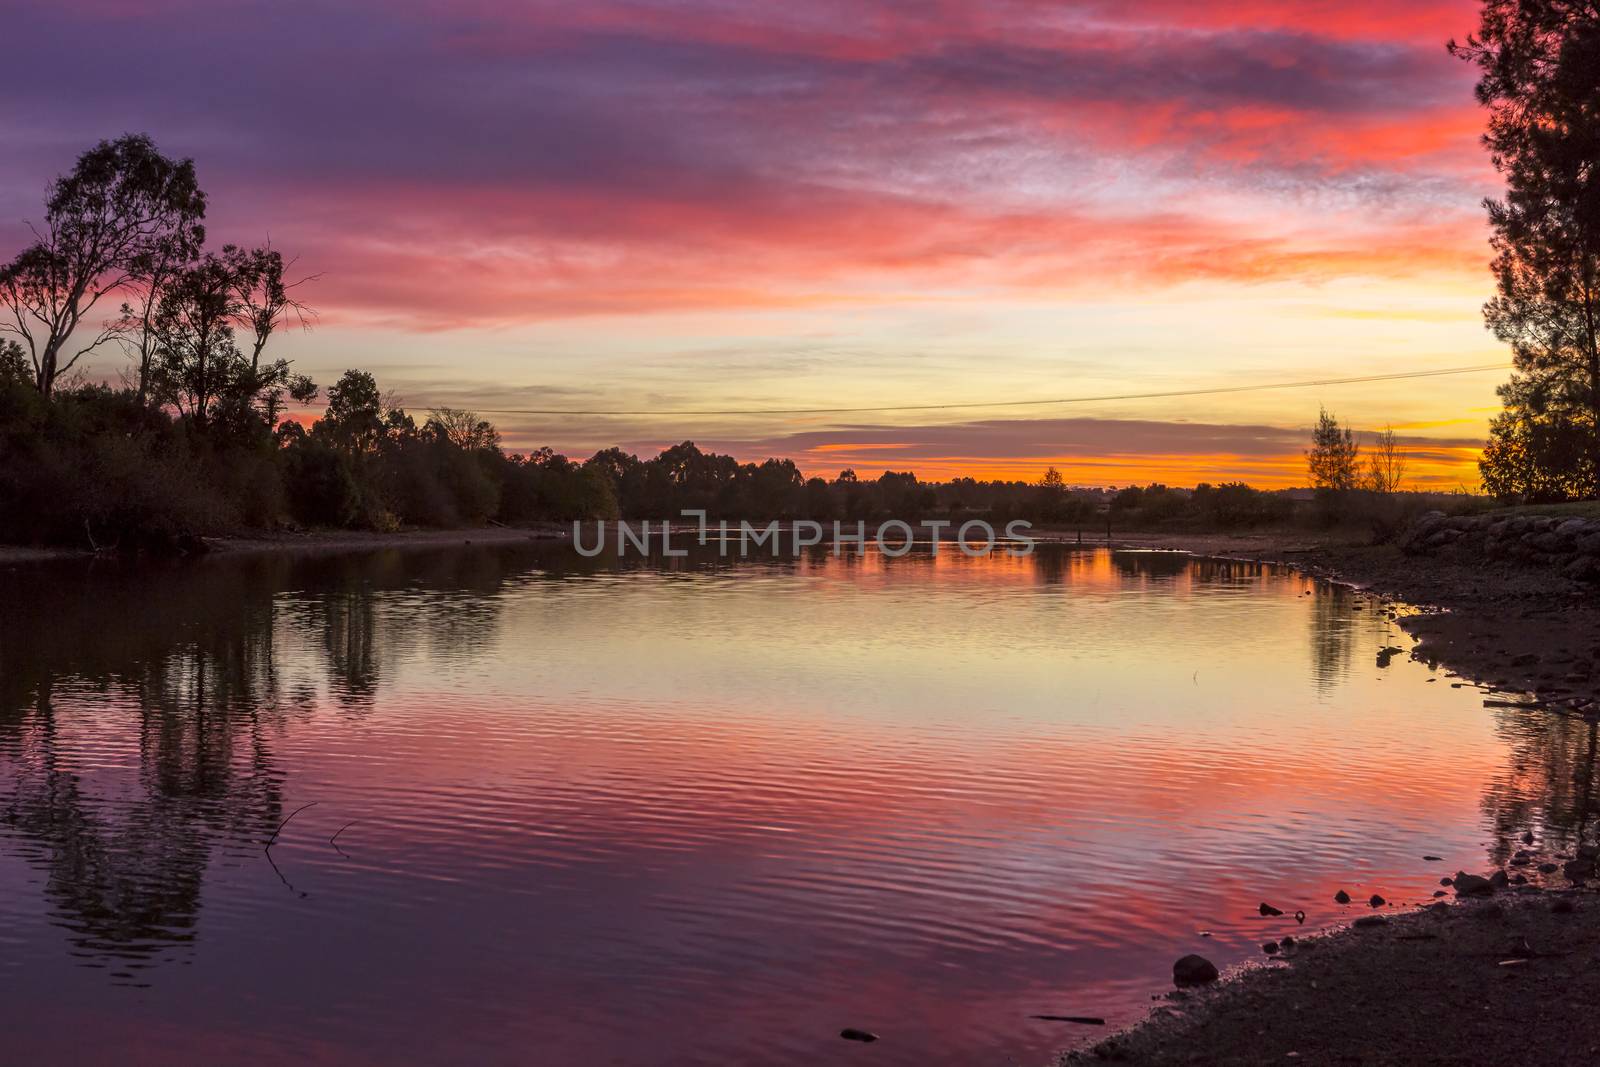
{"x":709,"y":813}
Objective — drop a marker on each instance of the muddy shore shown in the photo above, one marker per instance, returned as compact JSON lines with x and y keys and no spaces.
{"x":1465,"y":980}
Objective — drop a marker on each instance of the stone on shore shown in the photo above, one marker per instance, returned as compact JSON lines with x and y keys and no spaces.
{"x":1194,"y":970}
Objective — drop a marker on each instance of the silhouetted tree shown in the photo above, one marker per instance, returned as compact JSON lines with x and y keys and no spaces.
{"x":1540,"y":64}
{"x":13,"y":365}
{"x":1334,"y":454}
{"x":264,"y":301}
{"x":463,"y":429}
{"x":1386,"y":465}
{"x":123,"y":207}
{"x":354,"y":420}
{"x":196,"y":362}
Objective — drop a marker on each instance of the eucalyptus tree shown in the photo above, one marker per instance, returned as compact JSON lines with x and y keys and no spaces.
{"x":124,"y":213}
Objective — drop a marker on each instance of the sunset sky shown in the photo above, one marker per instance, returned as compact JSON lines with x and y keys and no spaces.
{"x":664,"y":207}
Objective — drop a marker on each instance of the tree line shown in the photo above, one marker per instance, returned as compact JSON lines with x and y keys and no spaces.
{"x":195,"y":441}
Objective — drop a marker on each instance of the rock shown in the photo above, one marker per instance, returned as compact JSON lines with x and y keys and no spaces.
{"x":1300,"y":917}
{"x":1471,"y":885}
{"x":1288,"y":943}
{"x":1432,"y":859}
{"x":1268,"y":910}
{"x":1583,"y":569}
{"x":1588,"y":852}
{"x":1376,"y":901}
{"x":1499,"y":879}
{"x":1527,"y":837}
{"x":1270,"y":948}
{"x":858,"y":1035}
{"x":1194,"y":970}
{"x":1579,"y":869}
{"x":1341,"y":897}
{"x":1438,"y":892}
{"x":1371,"y":920}
{"x":1548,"y":868}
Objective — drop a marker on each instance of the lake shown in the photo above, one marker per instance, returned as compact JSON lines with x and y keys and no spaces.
{"x":701,"y":810}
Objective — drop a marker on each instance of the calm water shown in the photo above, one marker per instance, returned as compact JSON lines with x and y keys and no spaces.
{"x":585,"y":812}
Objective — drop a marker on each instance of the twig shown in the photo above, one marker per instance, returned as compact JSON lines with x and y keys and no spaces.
{"x":285,"y":822}
{"x":287,"y":884}
{"x":334,"y":840}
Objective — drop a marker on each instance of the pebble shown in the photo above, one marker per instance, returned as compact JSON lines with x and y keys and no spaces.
{"x":858,"y":1035}
{"x":1341,"y":897}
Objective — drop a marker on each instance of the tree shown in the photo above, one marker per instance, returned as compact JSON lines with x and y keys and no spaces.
{"x":265,"y":302}
{"x":1540,"y":80}
{"x":123,"y":208}
{"x":1386,"y":466}
{"x":355,"y":418}
{"x":195,"y":361}
{"x":463,"y":429}
{"x":1535,"y":455}
{"x":1334,"y":454}
{"x":14,"y":370}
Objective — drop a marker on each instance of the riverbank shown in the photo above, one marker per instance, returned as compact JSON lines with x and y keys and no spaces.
{"x":1512,"y":977}
{"x":316,"y":541}
{"x":1465,"y":980}
{"x":298,"y":542}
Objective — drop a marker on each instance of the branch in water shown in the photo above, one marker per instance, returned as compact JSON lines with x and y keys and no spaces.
{"x":285,"y":822}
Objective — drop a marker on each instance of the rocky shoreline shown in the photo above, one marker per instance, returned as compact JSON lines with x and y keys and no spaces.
{"x":1508,"y":963}
{"x":1508,"y":975}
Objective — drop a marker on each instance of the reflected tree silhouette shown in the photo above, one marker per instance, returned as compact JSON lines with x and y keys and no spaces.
{"x":139,"y":707}
{"x":1548,"y":786}
{"x":184,"y":677}
{"x":1332,"y":631}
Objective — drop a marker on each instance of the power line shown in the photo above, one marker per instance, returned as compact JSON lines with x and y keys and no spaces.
{"x":705,"y":412}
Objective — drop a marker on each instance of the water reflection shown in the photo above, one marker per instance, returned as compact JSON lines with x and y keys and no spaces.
{"x":183,"y":672}
{"x":1547,"y":786}
{"x":139,"y":707}
{"x":752,"y":801}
